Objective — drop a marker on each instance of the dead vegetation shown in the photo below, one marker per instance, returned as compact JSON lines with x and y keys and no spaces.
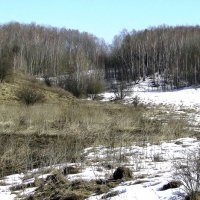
{"x":188,"y":172}
{"x":58,"y":130}
{"x":56,"y":186}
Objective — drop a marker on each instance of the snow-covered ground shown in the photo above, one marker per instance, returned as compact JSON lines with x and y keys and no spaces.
{"x":152,"y":167}
{"x":187,"y":97}
{"x":184,"y":101}
{"x":155,"y":173}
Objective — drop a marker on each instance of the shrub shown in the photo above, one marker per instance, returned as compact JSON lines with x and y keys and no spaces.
{"x":189,"y":174}
{"x":85,"y":86}
{"x":171,"y":185}
{"x":136,"y":101}
{"x":72,"y":85}
{"x":47,"y":81}
{"x":30,"y":95}
{"x":70,"y":170}
{"x":122,"y":173}
{"x":157,"y":158}
{"x":195,"y":196}
{"x":94,"y":87}
{"x":119,"y":90}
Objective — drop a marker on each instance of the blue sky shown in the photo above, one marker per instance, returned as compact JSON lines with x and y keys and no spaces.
{"x":103,"y":18}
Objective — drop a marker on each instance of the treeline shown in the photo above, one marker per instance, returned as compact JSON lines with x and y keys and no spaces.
{"x":41,"y":50}
{"x":54,"y":52}
{"x":173,"y":53}
{"x":170,"y":55}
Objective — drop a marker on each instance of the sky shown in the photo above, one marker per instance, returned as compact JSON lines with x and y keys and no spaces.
{"x":103,"y":18}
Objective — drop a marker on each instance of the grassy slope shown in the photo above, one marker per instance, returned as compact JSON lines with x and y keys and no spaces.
{"x":8,"y":90}
{"x":61,"y":112}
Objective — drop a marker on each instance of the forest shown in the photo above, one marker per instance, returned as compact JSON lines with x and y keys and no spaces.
{"x":170,"y":53}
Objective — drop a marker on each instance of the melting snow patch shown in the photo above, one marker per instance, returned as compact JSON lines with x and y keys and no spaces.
{"x":149,"y":175}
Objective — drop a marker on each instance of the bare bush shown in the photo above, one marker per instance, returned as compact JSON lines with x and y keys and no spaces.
{"x":47,"y":81}
{"x":94,"y":87}
{"x":87,"y":85}
{"x":29,"y":95}
{"x":136,"y":101}
{"x":73,"y":85}
{"x":119,"y":90}
{"x":189,"y":174}
{"x":122,"y":173}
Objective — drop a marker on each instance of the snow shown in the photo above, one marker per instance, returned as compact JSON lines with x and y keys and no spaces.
{"x":149,"y":175}
{"x":7,"y":195}
{"x":156,"y":174}
{"x":131,"y":192}
{"x":187,"y":97}
{"x":6,"y":183}
{"x":181,"y":98}
{"x":90,"y":173}
{"x":182,"y":102}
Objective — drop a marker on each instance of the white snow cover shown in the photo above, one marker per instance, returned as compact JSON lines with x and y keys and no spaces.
{"x":6,"y":183}
{"x":187,"y":97}
{"x":157,"y":174}
{"x":149,"y":175}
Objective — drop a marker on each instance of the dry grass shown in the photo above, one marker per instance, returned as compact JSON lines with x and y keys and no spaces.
{"x":76,"y":118}
{"x":56,"y":186}
{"x":19,"y":80}
{"x":48,"y":134}
{"x":57,"y":131}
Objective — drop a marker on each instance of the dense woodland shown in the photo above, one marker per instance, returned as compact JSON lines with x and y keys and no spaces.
{"x":50,"y":51}
{"x":170,"y":53}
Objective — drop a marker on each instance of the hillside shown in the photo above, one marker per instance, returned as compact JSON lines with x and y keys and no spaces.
{"x":10,"y":87}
